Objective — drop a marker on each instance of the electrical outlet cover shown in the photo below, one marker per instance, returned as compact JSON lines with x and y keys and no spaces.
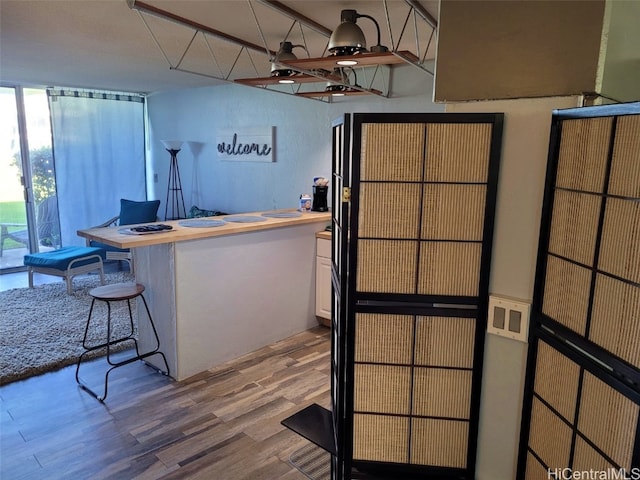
{"x":508,"y":318}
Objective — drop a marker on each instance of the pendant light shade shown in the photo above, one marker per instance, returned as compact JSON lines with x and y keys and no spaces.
{"x":345,"y":85}
{"x":348,"y":38}
{"x":285,"y":54}
{"x":172,"y":144}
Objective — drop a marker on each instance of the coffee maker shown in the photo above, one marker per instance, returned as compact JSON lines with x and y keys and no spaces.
{"x":320,"y":188}
{"x":320,"y":198}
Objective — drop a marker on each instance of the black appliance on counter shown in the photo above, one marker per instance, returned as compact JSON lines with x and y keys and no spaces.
{"x":320,"y":198}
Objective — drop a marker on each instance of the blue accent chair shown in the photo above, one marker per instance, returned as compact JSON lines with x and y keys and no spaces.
{"x":131,"y":212}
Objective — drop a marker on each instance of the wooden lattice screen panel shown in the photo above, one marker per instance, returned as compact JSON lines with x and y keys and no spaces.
{"x":614,"y":321}
{"x":421,"y":225}
{"x":581,"y":410}
{"x":418,"y":367}
{"x":421,"y":207}
{"x":413,"y":229}
{"x":606,"y":420}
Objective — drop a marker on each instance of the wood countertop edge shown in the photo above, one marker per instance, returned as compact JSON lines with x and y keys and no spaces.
{"x":111,"y":236}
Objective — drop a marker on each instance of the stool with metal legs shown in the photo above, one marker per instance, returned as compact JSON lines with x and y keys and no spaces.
{"x":115,"y":293}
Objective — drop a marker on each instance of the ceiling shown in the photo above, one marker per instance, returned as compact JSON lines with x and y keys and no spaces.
{"x":105,"y":44}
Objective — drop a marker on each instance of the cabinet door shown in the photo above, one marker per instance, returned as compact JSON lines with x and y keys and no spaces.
{"x":323,"y":287}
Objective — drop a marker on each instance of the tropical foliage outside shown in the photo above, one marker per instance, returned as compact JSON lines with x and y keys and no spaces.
{"x":44,"y":186}
{"x":42,"y":173}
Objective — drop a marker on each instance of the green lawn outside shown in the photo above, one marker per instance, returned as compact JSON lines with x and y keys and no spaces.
{"x":13,"y":212}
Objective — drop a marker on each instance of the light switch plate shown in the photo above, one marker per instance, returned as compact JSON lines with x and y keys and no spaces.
{"x":508,"y":318}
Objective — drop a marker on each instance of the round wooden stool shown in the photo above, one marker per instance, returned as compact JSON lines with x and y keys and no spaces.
{"x":117,"y":292}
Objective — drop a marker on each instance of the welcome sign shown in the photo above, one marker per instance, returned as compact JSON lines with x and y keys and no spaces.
{"x":246,"y":144}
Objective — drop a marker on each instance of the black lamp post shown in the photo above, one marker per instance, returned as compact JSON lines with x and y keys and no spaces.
{"x":174,"y":208}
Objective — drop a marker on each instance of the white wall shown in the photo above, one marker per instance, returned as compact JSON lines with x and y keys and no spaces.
{"x":519,"y":204}
{"x":302,"y":146}
{"x":302,"y":140}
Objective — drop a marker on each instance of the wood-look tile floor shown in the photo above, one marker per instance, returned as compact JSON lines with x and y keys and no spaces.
{"x":222,"y":424}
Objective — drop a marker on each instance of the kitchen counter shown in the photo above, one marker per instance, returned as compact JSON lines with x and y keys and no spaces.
{"x":113,"y":236}
{"x":217,"y":293}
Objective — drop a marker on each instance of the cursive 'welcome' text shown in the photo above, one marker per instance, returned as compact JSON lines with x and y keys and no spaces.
{"x":235,"y":148}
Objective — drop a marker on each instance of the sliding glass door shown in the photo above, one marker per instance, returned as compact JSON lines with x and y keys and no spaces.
{"x":99,"y":144}
{"x":28,"y":205}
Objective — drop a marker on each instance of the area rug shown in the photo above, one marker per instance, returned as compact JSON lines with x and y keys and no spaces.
{"x":41,"y":329}
{"x":312,"y":461}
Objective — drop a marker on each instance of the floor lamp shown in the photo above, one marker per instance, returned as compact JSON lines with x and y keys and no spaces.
{"x":174,"y":206}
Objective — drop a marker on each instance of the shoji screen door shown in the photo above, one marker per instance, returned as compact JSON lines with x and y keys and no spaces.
{"x":413,"y":223}
{"x":582,"y":401}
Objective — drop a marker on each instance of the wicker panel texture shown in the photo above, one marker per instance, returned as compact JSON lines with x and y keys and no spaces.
{"x":625,"y":167}
{"x":389,"y":210}
{"x":574,"y":226}
{"x":583,"y":154}
{"x":380,"y":438}
{"x":453,"y":212}
{"x":445,"y":341}
{"x":382,"y":389}
{"x":439,"y":442}
{"x":608,"y":419}
{"x":386,"y":266}
{"x":535,"y":470}
{"x":421,"y":200}
{"x":448,"y":268}
{"x":557,"y":380}
{"x":614,"y":321}
{"x":392,"y":151}
{"x":592,"y":287}
{"x":383,"y":338}
{"x":587,"y":458}
{"x":457,"y":152}
{"x":549,"y":437}
{"x":620,"y":251}
{"x":439,"y":392}
{"x":566,"y":294}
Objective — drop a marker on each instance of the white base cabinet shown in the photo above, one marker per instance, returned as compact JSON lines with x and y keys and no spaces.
{"x":323,"y":280}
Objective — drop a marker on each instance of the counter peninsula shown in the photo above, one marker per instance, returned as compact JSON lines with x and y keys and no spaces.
{"x":219,"y":292}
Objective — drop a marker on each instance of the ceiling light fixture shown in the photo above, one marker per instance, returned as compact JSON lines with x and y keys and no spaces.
{"x":336,"y":90}
{"x":348,"y":38}
{"x":339,"y":89}
{"x":284,"y":55}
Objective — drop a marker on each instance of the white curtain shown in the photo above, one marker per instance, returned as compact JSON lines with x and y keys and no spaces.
{"x":99,"y":156}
